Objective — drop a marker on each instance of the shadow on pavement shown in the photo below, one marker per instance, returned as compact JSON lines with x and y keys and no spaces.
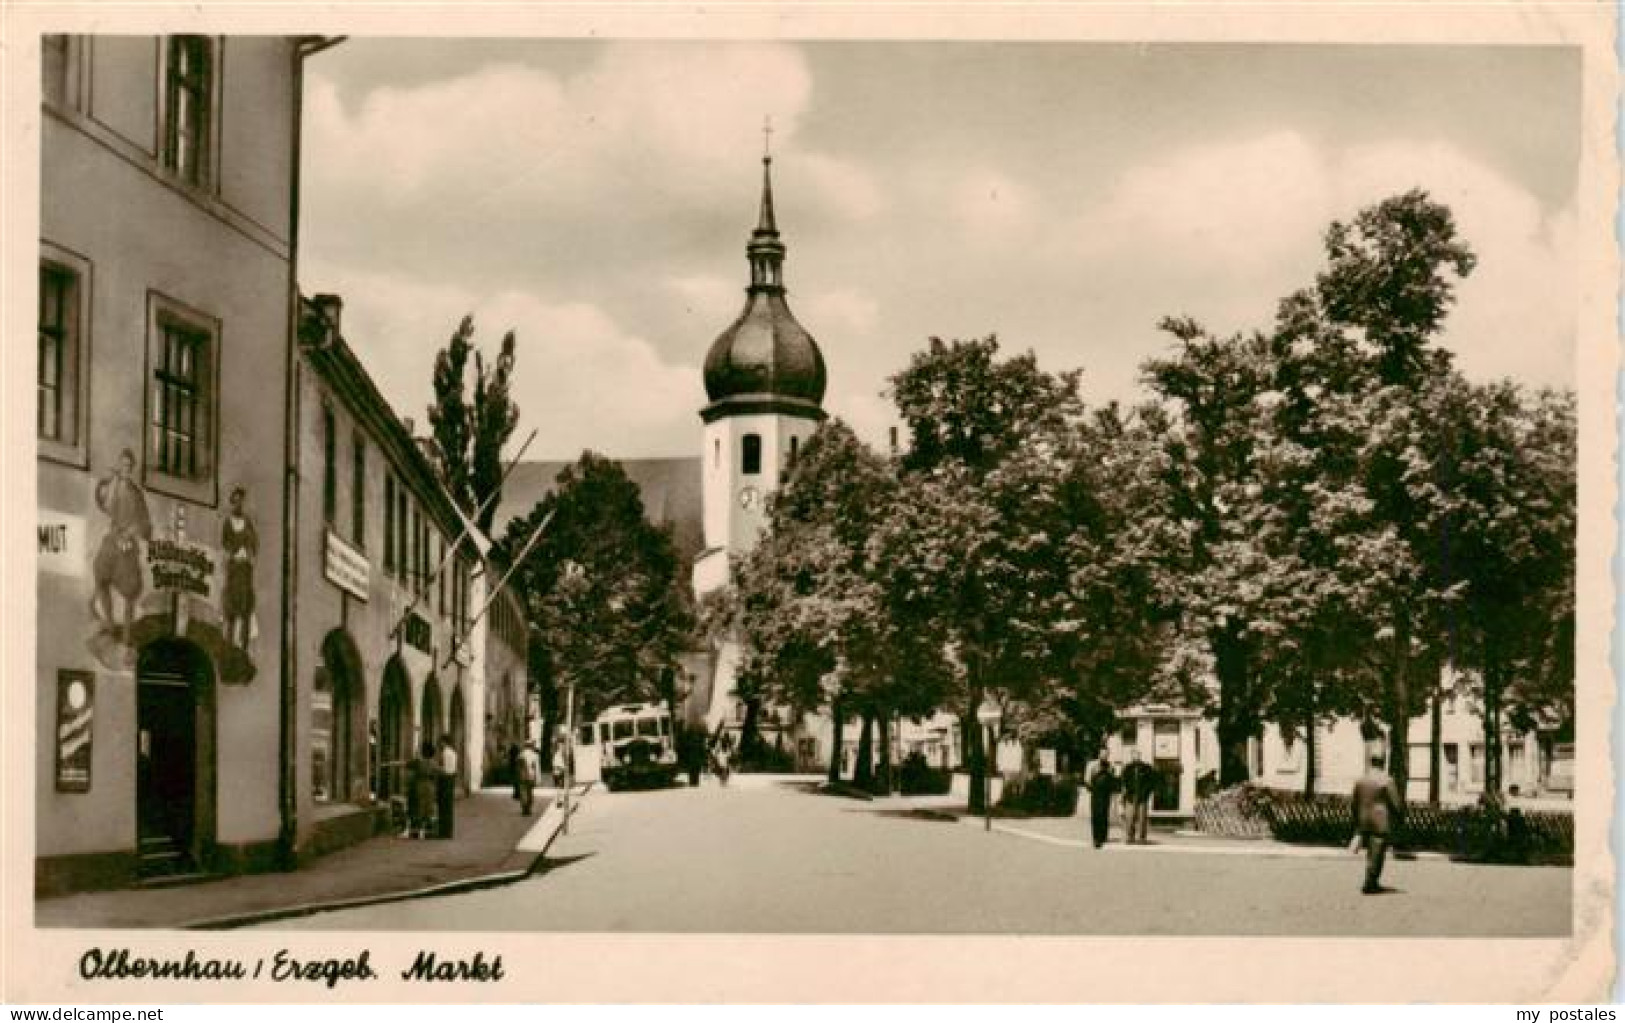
{"x":552,"y":863}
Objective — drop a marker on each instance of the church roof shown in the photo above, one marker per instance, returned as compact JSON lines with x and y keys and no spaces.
{"x":765,"y":353}
{"x":670,"y":488}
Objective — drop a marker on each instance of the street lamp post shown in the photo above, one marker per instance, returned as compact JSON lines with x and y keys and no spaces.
{"x":987,"y":715}
{"x":570,"y":758}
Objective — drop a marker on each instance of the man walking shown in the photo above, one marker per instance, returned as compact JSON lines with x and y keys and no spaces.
{"x":1376,"y":803}
{"x":1139,"y":780}
{"x":528,"y":771}
{"x":1101,"y":781}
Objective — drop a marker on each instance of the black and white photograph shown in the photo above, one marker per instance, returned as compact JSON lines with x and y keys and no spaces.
{"x":526,"y":485}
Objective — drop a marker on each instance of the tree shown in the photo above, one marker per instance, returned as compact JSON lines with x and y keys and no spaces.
{"x":469,"y":433}
{"x":1512,"y":529}
{"x":976,"y":553}
{"x":808,"y":606}
{"x":602,"y":589}
{"x":1390,"y":278}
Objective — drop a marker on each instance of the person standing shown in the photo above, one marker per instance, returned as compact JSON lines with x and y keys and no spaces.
{"x":1139,"y":781}
{"x":1375,"y":804}
{"x":527,"y":770}
{"x":421,"y":792}
{"x":446,"y":788}
{"x":1101,"y":781}
{"x":513,"y":767}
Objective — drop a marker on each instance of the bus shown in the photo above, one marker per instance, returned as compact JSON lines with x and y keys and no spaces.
{"x":628,"y":747}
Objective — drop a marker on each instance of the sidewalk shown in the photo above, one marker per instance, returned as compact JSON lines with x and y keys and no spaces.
{"x":494,"y":844}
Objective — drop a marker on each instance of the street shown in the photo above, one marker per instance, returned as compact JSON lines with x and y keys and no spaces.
{"x":762,"y":856}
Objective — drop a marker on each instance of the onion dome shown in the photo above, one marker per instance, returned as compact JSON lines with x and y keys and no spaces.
{"x":765,"y":358}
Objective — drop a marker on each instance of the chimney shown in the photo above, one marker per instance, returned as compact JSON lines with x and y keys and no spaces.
{"x":331,"y":309}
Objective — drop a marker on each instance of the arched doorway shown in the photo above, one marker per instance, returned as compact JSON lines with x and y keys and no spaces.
{"x":339,"y":748}
{"x":394,"y":730}
{"x":175,"y":757}
{"x":429,"y":715}
{"x":459,"y":737}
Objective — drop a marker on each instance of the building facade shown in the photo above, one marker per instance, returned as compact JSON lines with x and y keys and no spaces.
{"x":389,"y":649}
{"x":166,"y":289}
{"x":507,"y":681}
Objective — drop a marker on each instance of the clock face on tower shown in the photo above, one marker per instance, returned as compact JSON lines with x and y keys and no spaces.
{"x":749,"y":497}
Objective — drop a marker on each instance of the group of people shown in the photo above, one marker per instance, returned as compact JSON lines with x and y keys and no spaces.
{"x":1137,"y":781}
{"x":525,"y":768}
{"x":431,"y":791}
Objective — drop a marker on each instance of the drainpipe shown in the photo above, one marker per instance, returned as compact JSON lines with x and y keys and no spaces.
{"x":288,"y":705}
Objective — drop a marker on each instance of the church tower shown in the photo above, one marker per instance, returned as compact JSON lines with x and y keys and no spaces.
{"x":764,"y":378}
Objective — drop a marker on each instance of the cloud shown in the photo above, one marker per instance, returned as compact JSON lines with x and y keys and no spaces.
{"x":580,"y":378}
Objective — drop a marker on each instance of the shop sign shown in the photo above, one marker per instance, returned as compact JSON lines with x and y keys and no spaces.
{"x":1165,"y":744}
{"x":180,"y":566}
{"x":61,"y":540}
{"x":346,"y":567}
{"x":75,"y":713}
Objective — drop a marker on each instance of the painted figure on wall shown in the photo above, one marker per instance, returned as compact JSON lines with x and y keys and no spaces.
{"x":241,"y":545}
{"x":117,"y":567}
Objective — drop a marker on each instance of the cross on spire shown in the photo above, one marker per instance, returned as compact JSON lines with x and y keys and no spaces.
{"x":767,"y":137}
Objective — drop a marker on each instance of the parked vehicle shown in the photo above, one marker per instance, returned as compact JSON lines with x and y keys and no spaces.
{"x":628,"y":747}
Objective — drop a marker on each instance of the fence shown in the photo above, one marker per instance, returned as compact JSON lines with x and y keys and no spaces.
{"x":1474,"y":833}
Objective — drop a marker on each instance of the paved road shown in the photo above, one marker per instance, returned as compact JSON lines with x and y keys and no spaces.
{"x":775,"y":858}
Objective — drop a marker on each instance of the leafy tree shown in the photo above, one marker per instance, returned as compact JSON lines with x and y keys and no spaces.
{"x":469,"y":433}
{"x":1390,"y":279}
{"x":976,"y":552}
{"x":808,"y":606}
{"x":602,"y":590}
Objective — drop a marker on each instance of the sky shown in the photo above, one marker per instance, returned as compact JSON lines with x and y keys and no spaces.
{"x":595,"y":197}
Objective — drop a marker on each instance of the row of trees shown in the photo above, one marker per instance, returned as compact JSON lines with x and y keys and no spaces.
{"x":1300,"y":523}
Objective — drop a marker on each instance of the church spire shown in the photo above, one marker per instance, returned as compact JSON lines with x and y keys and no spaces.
{"x":765,"y":251}
{"x":765,"y":224}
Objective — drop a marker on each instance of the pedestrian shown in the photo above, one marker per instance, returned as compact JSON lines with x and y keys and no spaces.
{"x":1101,"y":781}
{"x":1375,"y":804}
{"x":561,"y":766}
{"x":1138,"y":782}
{"x":420,"y":792}
{"x":721,"y":758}
{"x":446,"y":788}
{"x":693,"y":746}
{"x":527,"y":770}
{"x":513,"y":767}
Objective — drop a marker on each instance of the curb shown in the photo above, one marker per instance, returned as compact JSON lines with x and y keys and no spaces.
{"x":1273,"y":850}
{"x":529,"y":853}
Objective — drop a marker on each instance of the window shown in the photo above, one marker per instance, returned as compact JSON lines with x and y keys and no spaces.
{"x":56,"y":329}
{"x":440,"y":578}
{"x":64,"y":322}
{"x":181,"y":404}
{"x":330,"y":470}
{"x":187,"y":108}
{"x":795,"y":445}
{"x":1475,"y":764}
{"x":358,"y":491}
{"x":751,"y":455}
{"x":322,"y":773}
{"x":389,"y":525}
{"x":716,"y":454}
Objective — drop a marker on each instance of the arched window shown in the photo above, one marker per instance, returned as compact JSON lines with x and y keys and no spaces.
{"x":751,"y":455}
